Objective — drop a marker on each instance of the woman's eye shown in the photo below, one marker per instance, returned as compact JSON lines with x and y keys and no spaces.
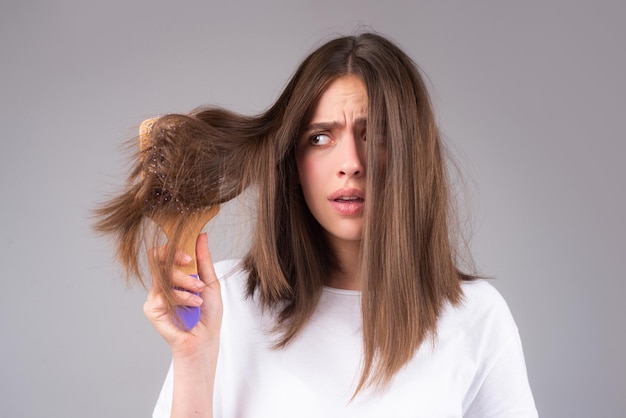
{"x":320,"y":139}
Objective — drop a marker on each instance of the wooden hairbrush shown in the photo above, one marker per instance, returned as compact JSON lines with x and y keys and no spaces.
{"x":170,"y":207}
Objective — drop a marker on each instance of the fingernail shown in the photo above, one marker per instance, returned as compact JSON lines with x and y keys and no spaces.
{"x":197,"y":300}
{"x":187,"y":258}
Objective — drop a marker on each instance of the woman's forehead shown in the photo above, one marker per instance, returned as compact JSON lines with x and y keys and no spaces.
{"x":343,"y":102}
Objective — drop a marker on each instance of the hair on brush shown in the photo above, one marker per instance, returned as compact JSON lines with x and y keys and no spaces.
{"x":185,"y":167}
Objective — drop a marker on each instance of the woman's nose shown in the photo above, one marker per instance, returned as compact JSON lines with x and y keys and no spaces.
{"x":352,"y":152}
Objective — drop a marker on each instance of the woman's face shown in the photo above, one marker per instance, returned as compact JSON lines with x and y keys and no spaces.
{"x":330,"y":156}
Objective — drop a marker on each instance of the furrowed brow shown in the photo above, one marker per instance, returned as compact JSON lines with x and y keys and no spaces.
{"x":329,"y":126}
{"x":323,"y":126}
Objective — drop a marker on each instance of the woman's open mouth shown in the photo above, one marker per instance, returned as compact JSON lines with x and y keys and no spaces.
{"x":348,"y":202}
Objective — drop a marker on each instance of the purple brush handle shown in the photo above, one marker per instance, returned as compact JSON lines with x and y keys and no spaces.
{"x":189,"y":315}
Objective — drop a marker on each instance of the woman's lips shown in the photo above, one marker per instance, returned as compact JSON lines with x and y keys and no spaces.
{"x":348,"y":202}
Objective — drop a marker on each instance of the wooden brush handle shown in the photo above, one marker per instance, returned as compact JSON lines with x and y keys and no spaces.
{"x":192,"y":229}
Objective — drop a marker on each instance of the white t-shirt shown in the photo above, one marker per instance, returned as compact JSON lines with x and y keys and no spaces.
{"x":475,"y":368}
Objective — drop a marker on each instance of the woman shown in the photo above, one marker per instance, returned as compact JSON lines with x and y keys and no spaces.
{"x":349,"y":302}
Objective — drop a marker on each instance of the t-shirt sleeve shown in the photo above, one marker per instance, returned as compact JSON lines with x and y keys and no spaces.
{"x":505,"y":391}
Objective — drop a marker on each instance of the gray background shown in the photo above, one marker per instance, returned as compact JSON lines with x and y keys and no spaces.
{"x":531,"y":98}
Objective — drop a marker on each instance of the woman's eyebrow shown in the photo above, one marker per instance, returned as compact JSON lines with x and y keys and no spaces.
{"x":329,"y":126}
{"x":324,"y":126}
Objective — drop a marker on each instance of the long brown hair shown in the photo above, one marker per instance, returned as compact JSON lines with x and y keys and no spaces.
{"x":409,"y":271}
{"x":408,"y":262}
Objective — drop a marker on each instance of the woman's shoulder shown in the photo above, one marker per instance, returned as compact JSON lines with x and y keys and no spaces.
{"x":233,"y":278}
{"x":481,"y":295}
{"x":482,"y":311}
{"x":226,"y":269}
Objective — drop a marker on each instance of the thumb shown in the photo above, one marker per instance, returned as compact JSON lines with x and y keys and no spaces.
{"x":203,"y":258}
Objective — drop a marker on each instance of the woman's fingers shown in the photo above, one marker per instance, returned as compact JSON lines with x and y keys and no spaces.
{"x":156,"y":310}
{"x":212,"y":306}
{"x":155,"y":307}
{"x":178,"y":279}
{"x":158,"y":256}
{"x":184,"y":298}
{"x":186,"y":291}
{"x":186,"y":282}
{"x":205,"y":263}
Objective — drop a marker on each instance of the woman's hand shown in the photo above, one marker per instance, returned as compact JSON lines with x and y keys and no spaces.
{"x":204,"y":337}
{"x":194,"y":352}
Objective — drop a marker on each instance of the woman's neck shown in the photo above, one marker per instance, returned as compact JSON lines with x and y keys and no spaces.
{"x":346,"y":276}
